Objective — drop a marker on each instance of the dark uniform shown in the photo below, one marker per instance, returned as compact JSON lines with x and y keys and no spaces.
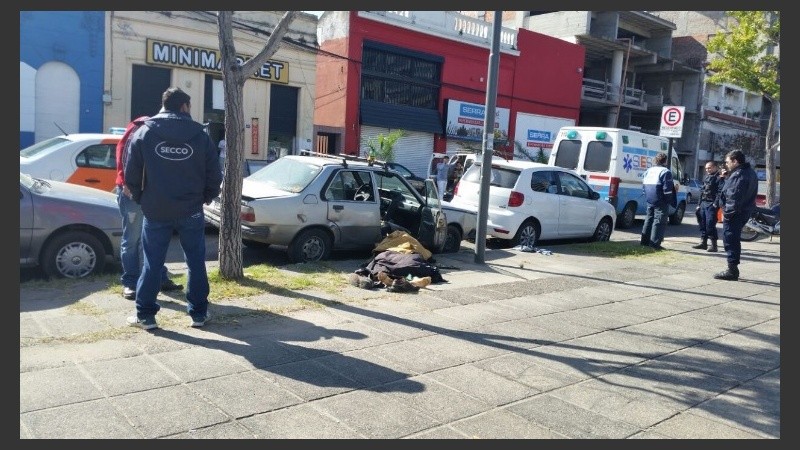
{"x":707,"y":211}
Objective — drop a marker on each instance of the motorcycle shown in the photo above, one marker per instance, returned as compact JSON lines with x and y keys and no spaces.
{"x":766,"y":221}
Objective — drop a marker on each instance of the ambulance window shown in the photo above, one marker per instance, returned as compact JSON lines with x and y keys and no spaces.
{"x":598,"y":156}
{"x":567,"y":154}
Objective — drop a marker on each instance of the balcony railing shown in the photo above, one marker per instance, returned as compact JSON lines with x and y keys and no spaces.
{"x":605,"y":92}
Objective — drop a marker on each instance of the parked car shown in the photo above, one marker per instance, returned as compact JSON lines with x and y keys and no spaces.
{"x":693,"y":187}
{"x":417,"y":181}
{"x":530,"y":201}
{"x":316,"y":204}
{"x":70,"y":231}
{"x":88,"y":159}
{"x":461,"y":224}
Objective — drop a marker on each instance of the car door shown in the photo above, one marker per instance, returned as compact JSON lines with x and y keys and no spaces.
{"x":96,"y":166}
{"x":353,"y":208}
{"x":433,"y":221}
{"x":577,"y":209}
{"x":25,"y":223}
{"x":544,"y":202}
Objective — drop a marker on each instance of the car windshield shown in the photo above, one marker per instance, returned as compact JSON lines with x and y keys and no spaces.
{"x":44,"y":146}
{"x":287,"y":174}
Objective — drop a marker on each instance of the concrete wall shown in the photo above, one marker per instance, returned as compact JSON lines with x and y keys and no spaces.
{"x":562,"y":24}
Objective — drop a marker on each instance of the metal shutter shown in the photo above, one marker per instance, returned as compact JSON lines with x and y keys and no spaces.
{"x":412,"y":150}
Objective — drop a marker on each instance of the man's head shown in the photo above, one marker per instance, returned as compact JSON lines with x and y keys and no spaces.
{"x":711,"y":167}
{"x":734,"y":159}
{"x":660,"y":159}
{"x":175,"y":100}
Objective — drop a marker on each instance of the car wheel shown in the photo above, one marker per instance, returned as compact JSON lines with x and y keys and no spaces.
{"x":75,"y":254}
{"x":527,"y":235}
{"x":310,"y":245}
{"x":453,"y":240}
{"x":625,"y":219}
{"x":748,"y":233}
{"x":249,"y":243}
{"x":677,"y":217}
{"x":603,"y":231}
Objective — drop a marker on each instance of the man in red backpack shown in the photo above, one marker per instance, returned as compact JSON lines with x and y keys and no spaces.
{"x":132,"y":218}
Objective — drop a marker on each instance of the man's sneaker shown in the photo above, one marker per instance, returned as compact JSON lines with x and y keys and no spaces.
{"x":170,"y":285}
{"x":657,"y":247}
{"x":199,"y":322}
{"x":701,"y":246}
{"x":129,"y":293}
{"x":727,"y":275}
{"x":145,"y":324}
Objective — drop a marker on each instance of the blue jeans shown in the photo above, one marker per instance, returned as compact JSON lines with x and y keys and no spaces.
{"x":131,"y":243}
{"x":156,"y":236}
{"x":732,"y":237}
{"x":655,"y":224}
{"x":707,"y":220}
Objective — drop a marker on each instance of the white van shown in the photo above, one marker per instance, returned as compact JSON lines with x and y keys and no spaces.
{"x":613,"y":161}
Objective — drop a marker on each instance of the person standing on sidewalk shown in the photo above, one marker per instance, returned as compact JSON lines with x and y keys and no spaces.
{"x":172,"y":170}
{"x":659,"y":192}
{"x":738,"y":202}
{"x":707,"y":208}
{"x":131,"y":212}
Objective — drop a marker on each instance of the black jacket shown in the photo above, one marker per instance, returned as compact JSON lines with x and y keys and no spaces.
{"x":712,"y":183}
{"x":738,"y":195}
{"x":173,"y":167}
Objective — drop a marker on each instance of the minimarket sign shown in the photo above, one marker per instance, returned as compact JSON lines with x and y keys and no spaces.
{"x":185,"y":56}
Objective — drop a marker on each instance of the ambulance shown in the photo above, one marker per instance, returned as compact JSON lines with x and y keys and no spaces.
{"x":613,"y":161}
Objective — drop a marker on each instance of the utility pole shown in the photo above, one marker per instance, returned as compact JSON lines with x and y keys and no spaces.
{"x":488,"y":138}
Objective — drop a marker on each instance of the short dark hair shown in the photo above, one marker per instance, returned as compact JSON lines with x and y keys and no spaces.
{"x":173,"y":98}
{"x":660,"y":159}
{"x":736,"y":155}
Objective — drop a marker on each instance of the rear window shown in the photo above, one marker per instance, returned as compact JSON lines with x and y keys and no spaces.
{"x":567,"y":154}
{"x":48,"y":145}
{"x":287,"y":174}
{"x":502,"y":177}
{"x":598,"y":156}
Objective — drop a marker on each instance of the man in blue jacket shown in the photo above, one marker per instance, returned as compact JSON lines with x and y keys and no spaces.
{"x":659,"y":192}
{"x":172,"y":170}
{"x":737,"y":199}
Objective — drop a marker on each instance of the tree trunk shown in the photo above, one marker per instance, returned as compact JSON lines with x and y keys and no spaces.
{"x":231,"y":265}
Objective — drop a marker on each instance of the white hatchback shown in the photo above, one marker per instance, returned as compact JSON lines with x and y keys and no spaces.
{"x":530,"y":201}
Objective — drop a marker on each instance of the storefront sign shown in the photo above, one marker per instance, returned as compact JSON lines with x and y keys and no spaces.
{"x":172,"y":54}
{"x":466,"y":121}
{"x":535,"y":132}
{"x":254,"y":135}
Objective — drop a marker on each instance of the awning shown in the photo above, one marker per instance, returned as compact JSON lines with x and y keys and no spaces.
{"x":400,"y":117}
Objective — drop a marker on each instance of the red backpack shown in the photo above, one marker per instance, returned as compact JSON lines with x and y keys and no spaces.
{"x":124,"y":144}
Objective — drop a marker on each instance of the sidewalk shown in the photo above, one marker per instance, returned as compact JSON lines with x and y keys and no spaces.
{"x":528,"y":345}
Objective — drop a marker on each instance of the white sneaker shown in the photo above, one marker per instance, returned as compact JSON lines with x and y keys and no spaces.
{"x":197,"y":323}
{"x":145,"y":324}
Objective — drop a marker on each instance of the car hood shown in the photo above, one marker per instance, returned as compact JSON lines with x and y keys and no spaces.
{"x":255,"y":189}
{"x":79,"y":194}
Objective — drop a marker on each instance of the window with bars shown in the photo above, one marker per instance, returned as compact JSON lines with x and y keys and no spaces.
{"x":400,"y":79}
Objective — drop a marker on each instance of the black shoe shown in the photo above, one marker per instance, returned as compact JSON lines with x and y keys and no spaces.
{"x":128,"y":293}
{"x":657,"y":247}
{"x":170,"y":285}
{"x":713,"y":248}
{"x":701,"y":246}
{"x":728,"y":275}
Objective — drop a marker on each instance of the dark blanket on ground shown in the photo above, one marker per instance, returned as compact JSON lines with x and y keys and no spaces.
{"x":398,"y":264}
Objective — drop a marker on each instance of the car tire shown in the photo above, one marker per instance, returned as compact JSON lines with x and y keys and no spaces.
{"x":309,"y":246}
{"x":249,"y":243}
{"x":452,"y":243}
{"x":677,"y":217}
{"x":603,"y":231}
{"x":527,"y":234}
{"x":74,"y":254}
{"x":626,"y":217}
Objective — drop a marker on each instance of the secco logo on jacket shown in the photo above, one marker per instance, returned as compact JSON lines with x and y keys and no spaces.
{"x":174,"y":152}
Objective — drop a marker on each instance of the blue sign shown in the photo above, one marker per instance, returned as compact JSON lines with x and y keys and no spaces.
{"x":538,"y":135}
{"x":472,"y":111}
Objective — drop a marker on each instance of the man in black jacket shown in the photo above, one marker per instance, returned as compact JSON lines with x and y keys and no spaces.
{"x":172,"y":170}
{"x":738,"y":201}
{"x":707,"y":208}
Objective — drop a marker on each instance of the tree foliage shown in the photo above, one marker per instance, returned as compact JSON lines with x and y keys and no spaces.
{"x":234,"y":75}
{"x":747,"y":56}
{"x":383,"y":145}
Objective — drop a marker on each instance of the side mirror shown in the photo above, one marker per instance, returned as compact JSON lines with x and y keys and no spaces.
{"x":594,"y":195}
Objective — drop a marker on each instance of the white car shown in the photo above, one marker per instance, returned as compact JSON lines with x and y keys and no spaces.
{"x":530,"y":201}
{"x":693,"y":187}
{"x":88,"y":159}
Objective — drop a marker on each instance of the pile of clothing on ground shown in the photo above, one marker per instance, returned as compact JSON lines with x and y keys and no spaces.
{"x":400,"y":264}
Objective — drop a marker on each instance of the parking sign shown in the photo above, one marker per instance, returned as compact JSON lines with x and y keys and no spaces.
{"x":672,"y":121}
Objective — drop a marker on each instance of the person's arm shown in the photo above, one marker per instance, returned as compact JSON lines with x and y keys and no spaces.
{"x":134,"y":168}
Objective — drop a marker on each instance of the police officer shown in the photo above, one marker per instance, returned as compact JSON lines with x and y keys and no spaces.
{"x":707,"y":208}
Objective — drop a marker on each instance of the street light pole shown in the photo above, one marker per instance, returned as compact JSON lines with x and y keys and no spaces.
{"x":488,"y":139}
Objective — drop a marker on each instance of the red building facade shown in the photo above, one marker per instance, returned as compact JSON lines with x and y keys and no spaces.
{"x":540,"y":78}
